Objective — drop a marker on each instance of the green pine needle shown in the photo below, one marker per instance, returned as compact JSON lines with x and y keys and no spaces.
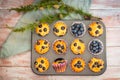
{"x":64,"y":10}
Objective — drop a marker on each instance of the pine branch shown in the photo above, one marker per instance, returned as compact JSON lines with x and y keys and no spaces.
{"x":63,"y":9}
{"x":24,"y":28}
{"x":44,"y":4}
{"x":49,"y":19}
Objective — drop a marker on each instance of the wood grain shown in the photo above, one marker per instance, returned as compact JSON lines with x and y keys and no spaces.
{"x":96,"y":4}
{"x":18,"y":67}
{"x":7,"y":4}
{"x":105,"y":4}
{"x":19,"y":73}
{"x":25,"y":73}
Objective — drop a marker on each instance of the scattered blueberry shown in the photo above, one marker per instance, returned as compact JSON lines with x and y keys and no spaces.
{"x":77,"y":29}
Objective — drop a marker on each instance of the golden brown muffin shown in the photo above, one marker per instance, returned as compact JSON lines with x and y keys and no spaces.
{"x":78,"y":64}
{"x":41,"y":64}
{"x":95,"y":29}
{"x":60,"y":46}
{"x":60,"y":28}
{"x":77,"y":46}
{"x":60,"y":65}
{"x":96,"y":64}
{"x":42,"y":29}
{"x":42,"y":46}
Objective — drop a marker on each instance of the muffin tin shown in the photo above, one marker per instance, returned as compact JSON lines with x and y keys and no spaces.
{"x":68,"y":38}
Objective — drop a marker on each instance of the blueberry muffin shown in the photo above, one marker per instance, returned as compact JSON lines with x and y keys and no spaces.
{"x":60,"y":28}
{"x":77,"y":64}
{"x":78,"y":29}
{"x":95,"y":47}
{"x":42,"y":46}
{"x":95,"y":29}
{"x":60,"y":46}
{"x":59,"y":65}
{"x":96,"y":64}
{"x":41,"y":64}
{"x":77,"y":46}
{"x":42,"y":29}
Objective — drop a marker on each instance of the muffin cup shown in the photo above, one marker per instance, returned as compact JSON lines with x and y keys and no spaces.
{"x":61,"y":67}
{"x":53,"y":46}
{"x":66,"y":28}
{"x":101,"y":44}
{"x":83,"y":32}
{"x":44,"y":40}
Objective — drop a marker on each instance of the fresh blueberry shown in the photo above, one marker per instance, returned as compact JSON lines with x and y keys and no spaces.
{"x":79,"y":32}
{"x":76,"y":29}
{"x":82,"y":29}
{"x":77,"y":26}
{"x":72,"y":27}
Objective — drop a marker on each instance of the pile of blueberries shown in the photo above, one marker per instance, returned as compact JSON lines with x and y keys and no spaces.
{"x":95,"y":46}
{"x":77,"y":29}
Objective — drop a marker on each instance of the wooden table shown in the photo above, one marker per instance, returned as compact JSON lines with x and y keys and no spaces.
{"x":18,"y":67}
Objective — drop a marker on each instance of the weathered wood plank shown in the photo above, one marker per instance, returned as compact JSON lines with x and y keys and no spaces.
{"x":7,"y":4}
{"x":105,"y":4}
{"x":112,"y":36}
{"x":19,"y":73}
{"x":96,"y":4}
{"x":111,"y":17}
{"x":25,"y":73}
{"x":24,"y":58}
{"x":112,"y":73}
{"x":8,"y":18}
{"x":3,"y":36}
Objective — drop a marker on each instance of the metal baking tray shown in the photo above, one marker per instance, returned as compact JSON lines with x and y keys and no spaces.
{"x":51,"y":55}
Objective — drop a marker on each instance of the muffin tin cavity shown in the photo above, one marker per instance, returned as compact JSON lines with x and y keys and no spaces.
{"x":78,"y":29}
{"x":95,"y":47}
{"x":60,"y":46}
{"x":69,"y":47}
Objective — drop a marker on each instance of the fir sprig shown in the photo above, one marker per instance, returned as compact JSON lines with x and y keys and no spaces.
{"x":58,"y":5}
{"x":44,"y":4}
{"x":49,"y":19}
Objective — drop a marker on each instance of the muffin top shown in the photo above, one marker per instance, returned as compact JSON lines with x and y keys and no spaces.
{"x":77,"y":64}
{"x":96,"y":64}
{"x":42,"y":46}
{"x":41,"y":64}
{"x":60,"y":46}
{"x":42,"y":29}
{"x":77,"y":46}
{"x":60,"y":29}
{"x":95,"y":29}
